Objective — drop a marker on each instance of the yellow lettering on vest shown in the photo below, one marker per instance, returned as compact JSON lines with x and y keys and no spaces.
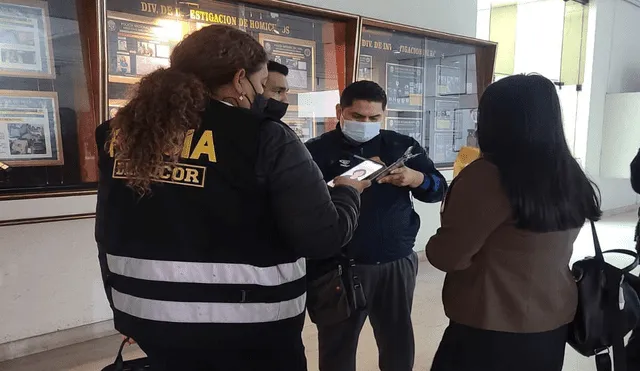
{"x":165,"y":172}
{"x":112,"y":147}
{"x":205,"y":146}
{"x":178,"y":174}
{"x":120,"y":168}
{"x":171,"y":173}
{"x":192,"y":176}
{"x":188,"y":140}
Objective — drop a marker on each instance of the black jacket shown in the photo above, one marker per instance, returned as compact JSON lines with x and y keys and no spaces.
{"x":214,"y":257}
{"x":388,"y":223}
{"x":635,"y":173}
{"x":635,"y":183}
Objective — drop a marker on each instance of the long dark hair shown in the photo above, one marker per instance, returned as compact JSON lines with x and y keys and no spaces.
{"x":151,"y":128}
{"x":520,"y":130}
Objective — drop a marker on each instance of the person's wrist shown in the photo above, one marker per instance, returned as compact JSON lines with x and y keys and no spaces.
{"x":418,"y":180}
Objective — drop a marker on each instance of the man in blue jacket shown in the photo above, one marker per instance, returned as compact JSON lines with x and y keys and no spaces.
{"x":382,"y":246}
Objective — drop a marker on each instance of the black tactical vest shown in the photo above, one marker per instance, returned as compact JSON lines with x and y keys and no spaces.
{"x":199,"y":263}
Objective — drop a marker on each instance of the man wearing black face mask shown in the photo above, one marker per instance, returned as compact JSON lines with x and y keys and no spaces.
{"x":276,"y":90}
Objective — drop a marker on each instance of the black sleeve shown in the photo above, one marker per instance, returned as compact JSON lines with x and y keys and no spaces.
{"x":314,"y":222}
{"x":635,"y":173}
{"x":102,"y":134}
{"x":435,"y":186}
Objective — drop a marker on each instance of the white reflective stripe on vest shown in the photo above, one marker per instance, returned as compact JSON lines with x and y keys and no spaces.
{"x":208,"y":273}
{"x":184,"y":312}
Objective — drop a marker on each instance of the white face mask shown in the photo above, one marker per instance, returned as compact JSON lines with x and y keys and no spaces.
{"x":360,"y":131}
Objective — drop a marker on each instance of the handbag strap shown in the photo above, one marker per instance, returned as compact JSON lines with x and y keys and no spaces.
{"x":119,"y":363}
{"x":603,"y":361}
{"x":596,"y":241}
{"x":600,"y":253}
{"x":630,"y":267}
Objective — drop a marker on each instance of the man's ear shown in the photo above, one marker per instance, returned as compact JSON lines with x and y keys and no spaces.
{"x":338,"y":111}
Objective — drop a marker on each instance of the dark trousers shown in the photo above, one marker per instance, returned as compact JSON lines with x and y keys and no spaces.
{"x":468,"y":349}
{"x":389,"y":292}
{"x":274,"y":359}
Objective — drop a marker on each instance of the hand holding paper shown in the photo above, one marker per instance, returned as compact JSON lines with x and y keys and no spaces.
{"x":359,"y":185}
{"x":404,"y":177}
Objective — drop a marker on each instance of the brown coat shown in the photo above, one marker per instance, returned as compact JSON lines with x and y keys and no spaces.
{"x":500,"y":278}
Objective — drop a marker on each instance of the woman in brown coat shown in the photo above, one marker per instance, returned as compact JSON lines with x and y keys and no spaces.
{"x":508,"y":228}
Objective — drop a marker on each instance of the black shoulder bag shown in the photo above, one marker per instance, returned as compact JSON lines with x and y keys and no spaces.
{"x":336,"y":294}
{"x":608,"y":308}
{"x":141,"y":364}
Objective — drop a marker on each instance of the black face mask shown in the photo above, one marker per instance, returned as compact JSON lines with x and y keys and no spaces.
{"x":276,"y":109}
{"x":259,"y":103}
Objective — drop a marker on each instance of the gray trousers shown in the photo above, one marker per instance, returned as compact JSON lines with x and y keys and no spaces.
{"x":389,"y":291}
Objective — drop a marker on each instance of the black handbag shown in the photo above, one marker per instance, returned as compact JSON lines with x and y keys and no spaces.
{"x":336,"y":294}
{"x":608,"y":307}
{"x":140,"y":364}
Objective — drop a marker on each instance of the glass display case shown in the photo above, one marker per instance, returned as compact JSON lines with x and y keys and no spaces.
{"x":47,"y":116}
{"x":317,"y":48}
{"x":432,"y":81}
{"x":68,"y":65}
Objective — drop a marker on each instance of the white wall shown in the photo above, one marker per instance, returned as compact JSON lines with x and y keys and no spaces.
{"x":539,"y":48}
{"x":612,"y":67}
{"x":49,"y":279}
{"x":621,"y":134}
{"x":49,"y":275}
{"x":624,"y":69}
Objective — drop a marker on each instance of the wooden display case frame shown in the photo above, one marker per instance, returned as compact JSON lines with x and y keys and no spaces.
{"x":351,"y":41}
{"x":95,"y":33}
{"x":485,"y":51}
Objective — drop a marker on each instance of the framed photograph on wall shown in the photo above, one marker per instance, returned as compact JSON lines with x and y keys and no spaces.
{"x":304,"y":127}
{"x":405,"y":87}
{"x":25,"y":39}
{"x":365,"y":67}
{"x":115,"y":105}
{"x":412,"y":127}
{"x":30,"y":129}
{"x":298,"y":55}
{"x":449,"y":81}
{"x":445,"y":114}
{"x":137,"y":46}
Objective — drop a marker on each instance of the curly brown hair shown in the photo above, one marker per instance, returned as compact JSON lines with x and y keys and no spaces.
{"x":167,"y":103}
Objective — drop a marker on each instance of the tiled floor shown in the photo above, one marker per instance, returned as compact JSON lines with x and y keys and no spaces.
{"x":429,"y":321}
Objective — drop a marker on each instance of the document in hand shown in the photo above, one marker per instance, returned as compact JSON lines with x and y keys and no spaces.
{"x":361,"y":171}
{"x":373,"y":171}
{"x":408,"y":155}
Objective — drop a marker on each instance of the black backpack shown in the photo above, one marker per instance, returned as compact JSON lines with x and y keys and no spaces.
{"x":608,"y":307}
